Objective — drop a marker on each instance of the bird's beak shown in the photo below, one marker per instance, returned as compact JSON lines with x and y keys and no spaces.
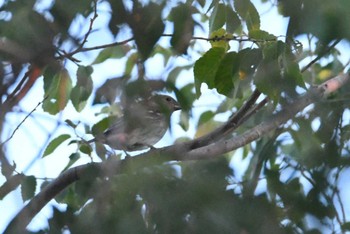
{"x":177,"y":107}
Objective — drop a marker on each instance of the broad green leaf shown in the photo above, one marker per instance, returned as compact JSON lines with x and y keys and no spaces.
{"x":86,"y":149}
{"x":183,"y":28}
{"x":55,"y":143}
{"x":28,"y":186}
{"x":217,"y":18}
{"x":206,"y":67}
{"x":57,"y":87}
{"x":249,"y":60}
{"x":114,"y":52}
{"x":249,"y":13}
{"x":232,"y":20}
{"x":147,"y":26}
{"x":205,"y":117}
{"x":228,"y":69}
{"x":261,"y":35}
{"x":102,"y":125}
{"x":268,"y":79}
{"x":82,"y":91}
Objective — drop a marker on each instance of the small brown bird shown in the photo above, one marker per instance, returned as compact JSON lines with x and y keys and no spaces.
{"x":144,"y":123}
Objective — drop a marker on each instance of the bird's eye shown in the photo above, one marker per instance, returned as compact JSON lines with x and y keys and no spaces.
{"x":168,"y":99}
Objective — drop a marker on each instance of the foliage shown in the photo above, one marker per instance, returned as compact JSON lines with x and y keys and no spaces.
{"x":294,"y":171}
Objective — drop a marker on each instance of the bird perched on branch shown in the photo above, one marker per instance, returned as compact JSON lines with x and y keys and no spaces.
{"x":144,"y":123}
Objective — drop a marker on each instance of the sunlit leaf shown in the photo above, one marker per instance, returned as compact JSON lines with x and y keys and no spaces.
{"x":218,"y":17}
{"x":57,"y":88}
{"x":249,"y":13}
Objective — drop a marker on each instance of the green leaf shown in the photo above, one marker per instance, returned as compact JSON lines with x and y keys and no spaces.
{"x":206,"y":67}
{"x":28,"y":186}
{"x":345,"y":226}
{"x":261,"y":35}
{"x":114,"y":52}
{"x":183,"y":27}
{"x":102,"y":125}
{"x":55,"y":143}
{"x":232,"y":20}
{"x":205,"y":117}
{"x":86,"y":149}
{"x":225,"y":76}
{"x":57,"y":87}
{"x":249,"y":60}
{"x":72,"y":159}
{"x":82,"y":91}
{"x":268,"y":79}
{"x":147,"y":26}
{"x":249,"y":13}
{"x":217,"y":18}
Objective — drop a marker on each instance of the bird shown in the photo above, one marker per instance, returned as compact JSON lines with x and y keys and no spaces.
{"x":143,"y":124}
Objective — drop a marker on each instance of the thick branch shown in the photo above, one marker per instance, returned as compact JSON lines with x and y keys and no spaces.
{"x":288,"y":112}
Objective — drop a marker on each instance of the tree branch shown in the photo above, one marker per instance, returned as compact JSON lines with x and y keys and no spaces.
{"x":288,"y":112}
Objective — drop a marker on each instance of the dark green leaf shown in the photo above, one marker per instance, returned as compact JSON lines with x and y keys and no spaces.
{"x":102,"y":125}
{"x":55,"y":143}
{"x":114,"y":52}
{"x":205,"y":116}
{"x":232,"y":20}
{"x":346,"y":226}
{"x":147,"y":26}
{"x":183,"y":27}
{"x":72,"y":159}
{"x":28,"y":186}
{"x":218,"y":17}
{"x":206,"y":67}
{"x":86,"y":149}
{"x":82,"y":91}
{"x":227,"y":73}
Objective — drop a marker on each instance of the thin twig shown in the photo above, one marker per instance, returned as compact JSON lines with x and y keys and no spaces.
{"x":96,"y":48}
{"x":320,"y":55}
{"x":20,"y":124}
{"x":92,"y":20}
